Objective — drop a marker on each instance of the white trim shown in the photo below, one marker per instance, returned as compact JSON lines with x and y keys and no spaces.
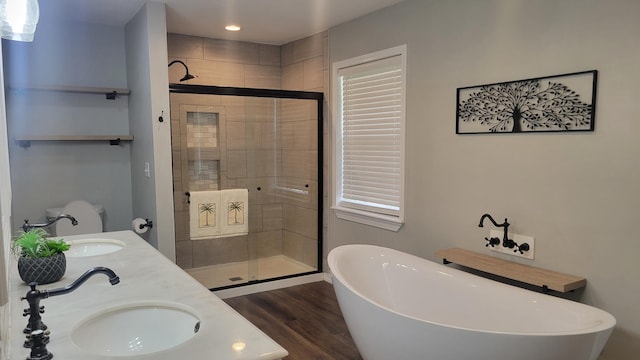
{"x":5,"y":172}
{"x":377,"y":55}
{"x":328,"y":278}
{"x":384,"y":221}
{"x":5,"y":222}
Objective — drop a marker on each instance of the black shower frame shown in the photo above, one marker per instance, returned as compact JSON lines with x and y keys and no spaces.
{"x":281,"y":94}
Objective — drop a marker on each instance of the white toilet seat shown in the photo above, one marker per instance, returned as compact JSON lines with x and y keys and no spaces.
{"x":89,"y":220}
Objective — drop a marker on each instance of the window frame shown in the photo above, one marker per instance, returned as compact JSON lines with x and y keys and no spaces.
{"x":344,"y":210}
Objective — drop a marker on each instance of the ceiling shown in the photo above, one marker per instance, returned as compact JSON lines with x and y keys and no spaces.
{"x":273,"y":22}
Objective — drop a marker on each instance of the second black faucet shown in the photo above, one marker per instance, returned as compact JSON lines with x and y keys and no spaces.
{"x":506,"y":242}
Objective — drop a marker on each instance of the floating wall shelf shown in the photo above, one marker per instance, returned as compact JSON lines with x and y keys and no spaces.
{"x":110,"y":93}
{"x":25,"y":141}
{"x":546,"y":279}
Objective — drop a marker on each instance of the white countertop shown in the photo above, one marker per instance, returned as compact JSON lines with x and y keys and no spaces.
{"x":145,"y":275}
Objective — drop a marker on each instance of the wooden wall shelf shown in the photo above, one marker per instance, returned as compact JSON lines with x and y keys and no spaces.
{"x":110,"y":93}
{"x":25,"y":141}
{"x":546,"y":279}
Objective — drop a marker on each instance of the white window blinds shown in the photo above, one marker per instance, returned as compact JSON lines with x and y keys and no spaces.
{"x":371,"y":136}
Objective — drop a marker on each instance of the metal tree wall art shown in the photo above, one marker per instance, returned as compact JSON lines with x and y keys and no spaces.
{"x":547,"y":104}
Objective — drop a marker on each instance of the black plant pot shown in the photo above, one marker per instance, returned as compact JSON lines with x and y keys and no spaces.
{"x":43,"y":270}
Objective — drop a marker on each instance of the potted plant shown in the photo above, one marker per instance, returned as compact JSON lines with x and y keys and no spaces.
{"x":40,"y":259}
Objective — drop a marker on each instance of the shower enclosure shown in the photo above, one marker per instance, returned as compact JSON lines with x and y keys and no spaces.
{"x":266,"y":141}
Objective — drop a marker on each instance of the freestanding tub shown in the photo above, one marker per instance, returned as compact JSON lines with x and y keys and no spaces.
{"x":399,"y":306}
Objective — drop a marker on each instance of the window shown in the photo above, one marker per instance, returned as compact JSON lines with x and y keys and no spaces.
{"x":369,"y":122}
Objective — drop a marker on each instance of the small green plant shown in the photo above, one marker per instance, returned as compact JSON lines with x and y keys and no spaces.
{"x":36,"y":244}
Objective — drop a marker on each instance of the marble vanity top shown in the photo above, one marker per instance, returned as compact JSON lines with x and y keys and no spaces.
{"x":145,"y":275}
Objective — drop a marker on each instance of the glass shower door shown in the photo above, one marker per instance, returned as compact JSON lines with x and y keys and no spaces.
{"x":199,"y":125}
{"x":267,"y":145}
{"x":282,"y":153}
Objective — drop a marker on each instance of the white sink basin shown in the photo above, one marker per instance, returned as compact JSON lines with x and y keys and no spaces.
{"x":136,"y":329}
{"x":93,"y":247}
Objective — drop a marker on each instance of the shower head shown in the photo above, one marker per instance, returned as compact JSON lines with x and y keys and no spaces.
{"x":186,"y":76}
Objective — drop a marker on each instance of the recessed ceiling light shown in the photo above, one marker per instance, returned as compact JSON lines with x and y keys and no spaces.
{"x":233,"y":27}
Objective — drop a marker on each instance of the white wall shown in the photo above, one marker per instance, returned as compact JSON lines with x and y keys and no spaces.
{"x":576,"y":193}
{"x":50,"y":174}
{"x":146,"y":48}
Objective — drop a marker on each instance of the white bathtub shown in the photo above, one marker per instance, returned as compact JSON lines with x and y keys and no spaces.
{"x":399,"y":306}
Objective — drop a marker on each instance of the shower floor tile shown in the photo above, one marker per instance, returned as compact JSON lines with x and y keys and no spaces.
{"x":215,"y":276}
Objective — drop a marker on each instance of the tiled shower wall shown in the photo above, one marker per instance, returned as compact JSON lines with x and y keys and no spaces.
{"x":280,"y":222}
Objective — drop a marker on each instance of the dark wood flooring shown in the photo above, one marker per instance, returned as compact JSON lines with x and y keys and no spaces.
{"x":304,"y":319}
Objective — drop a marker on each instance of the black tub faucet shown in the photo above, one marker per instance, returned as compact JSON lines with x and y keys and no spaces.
{"x":506,"y":242}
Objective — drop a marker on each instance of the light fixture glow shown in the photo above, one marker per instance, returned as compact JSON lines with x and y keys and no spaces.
{"x":18,"y":19}
{"x":233,"y":27}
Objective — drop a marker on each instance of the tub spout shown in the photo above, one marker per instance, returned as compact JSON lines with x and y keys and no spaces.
{"x":506,"y":242}
{"x":505,"y":224}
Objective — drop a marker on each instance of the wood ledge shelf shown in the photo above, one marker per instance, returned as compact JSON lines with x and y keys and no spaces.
{"x":110,"y":93}
{"x":25,"y":141}
{"x":546,"y":279}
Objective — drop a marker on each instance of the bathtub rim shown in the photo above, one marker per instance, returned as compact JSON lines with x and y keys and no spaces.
{"x":606,"y":324}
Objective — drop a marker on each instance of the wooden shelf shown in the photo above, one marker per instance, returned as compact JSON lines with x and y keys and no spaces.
{"x":110,"y":93}
{"x":545,"y":279}
{"x":25,"y":141}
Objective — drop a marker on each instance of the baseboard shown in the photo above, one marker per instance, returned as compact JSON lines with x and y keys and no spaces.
{"x":327,"y":278}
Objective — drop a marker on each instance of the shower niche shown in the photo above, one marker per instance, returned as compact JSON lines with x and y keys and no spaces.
{"x":202,"y":155}
{"x":266,"y":141}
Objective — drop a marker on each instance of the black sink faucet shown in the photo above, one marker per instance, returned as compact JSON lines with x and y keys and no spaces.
{"x":36,"y":340}
{"x":26,"y":226}
{"x":506,"y":242}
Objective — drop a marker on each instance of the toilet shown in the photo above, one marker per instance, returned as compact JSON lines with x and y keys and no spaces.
{"x":89,"y":218}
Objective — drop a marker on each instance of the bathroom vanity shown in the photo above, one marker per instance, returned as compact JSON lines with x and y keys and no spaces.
{"x":157,"y":311}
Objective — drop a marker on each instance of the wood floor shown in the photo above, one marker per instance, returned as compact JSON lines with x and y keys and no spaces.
{"x":304,"y":319}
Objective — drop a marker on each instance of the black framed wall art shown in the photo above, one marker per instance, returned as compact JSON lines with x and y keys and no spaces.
{"x":558,"y":103}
